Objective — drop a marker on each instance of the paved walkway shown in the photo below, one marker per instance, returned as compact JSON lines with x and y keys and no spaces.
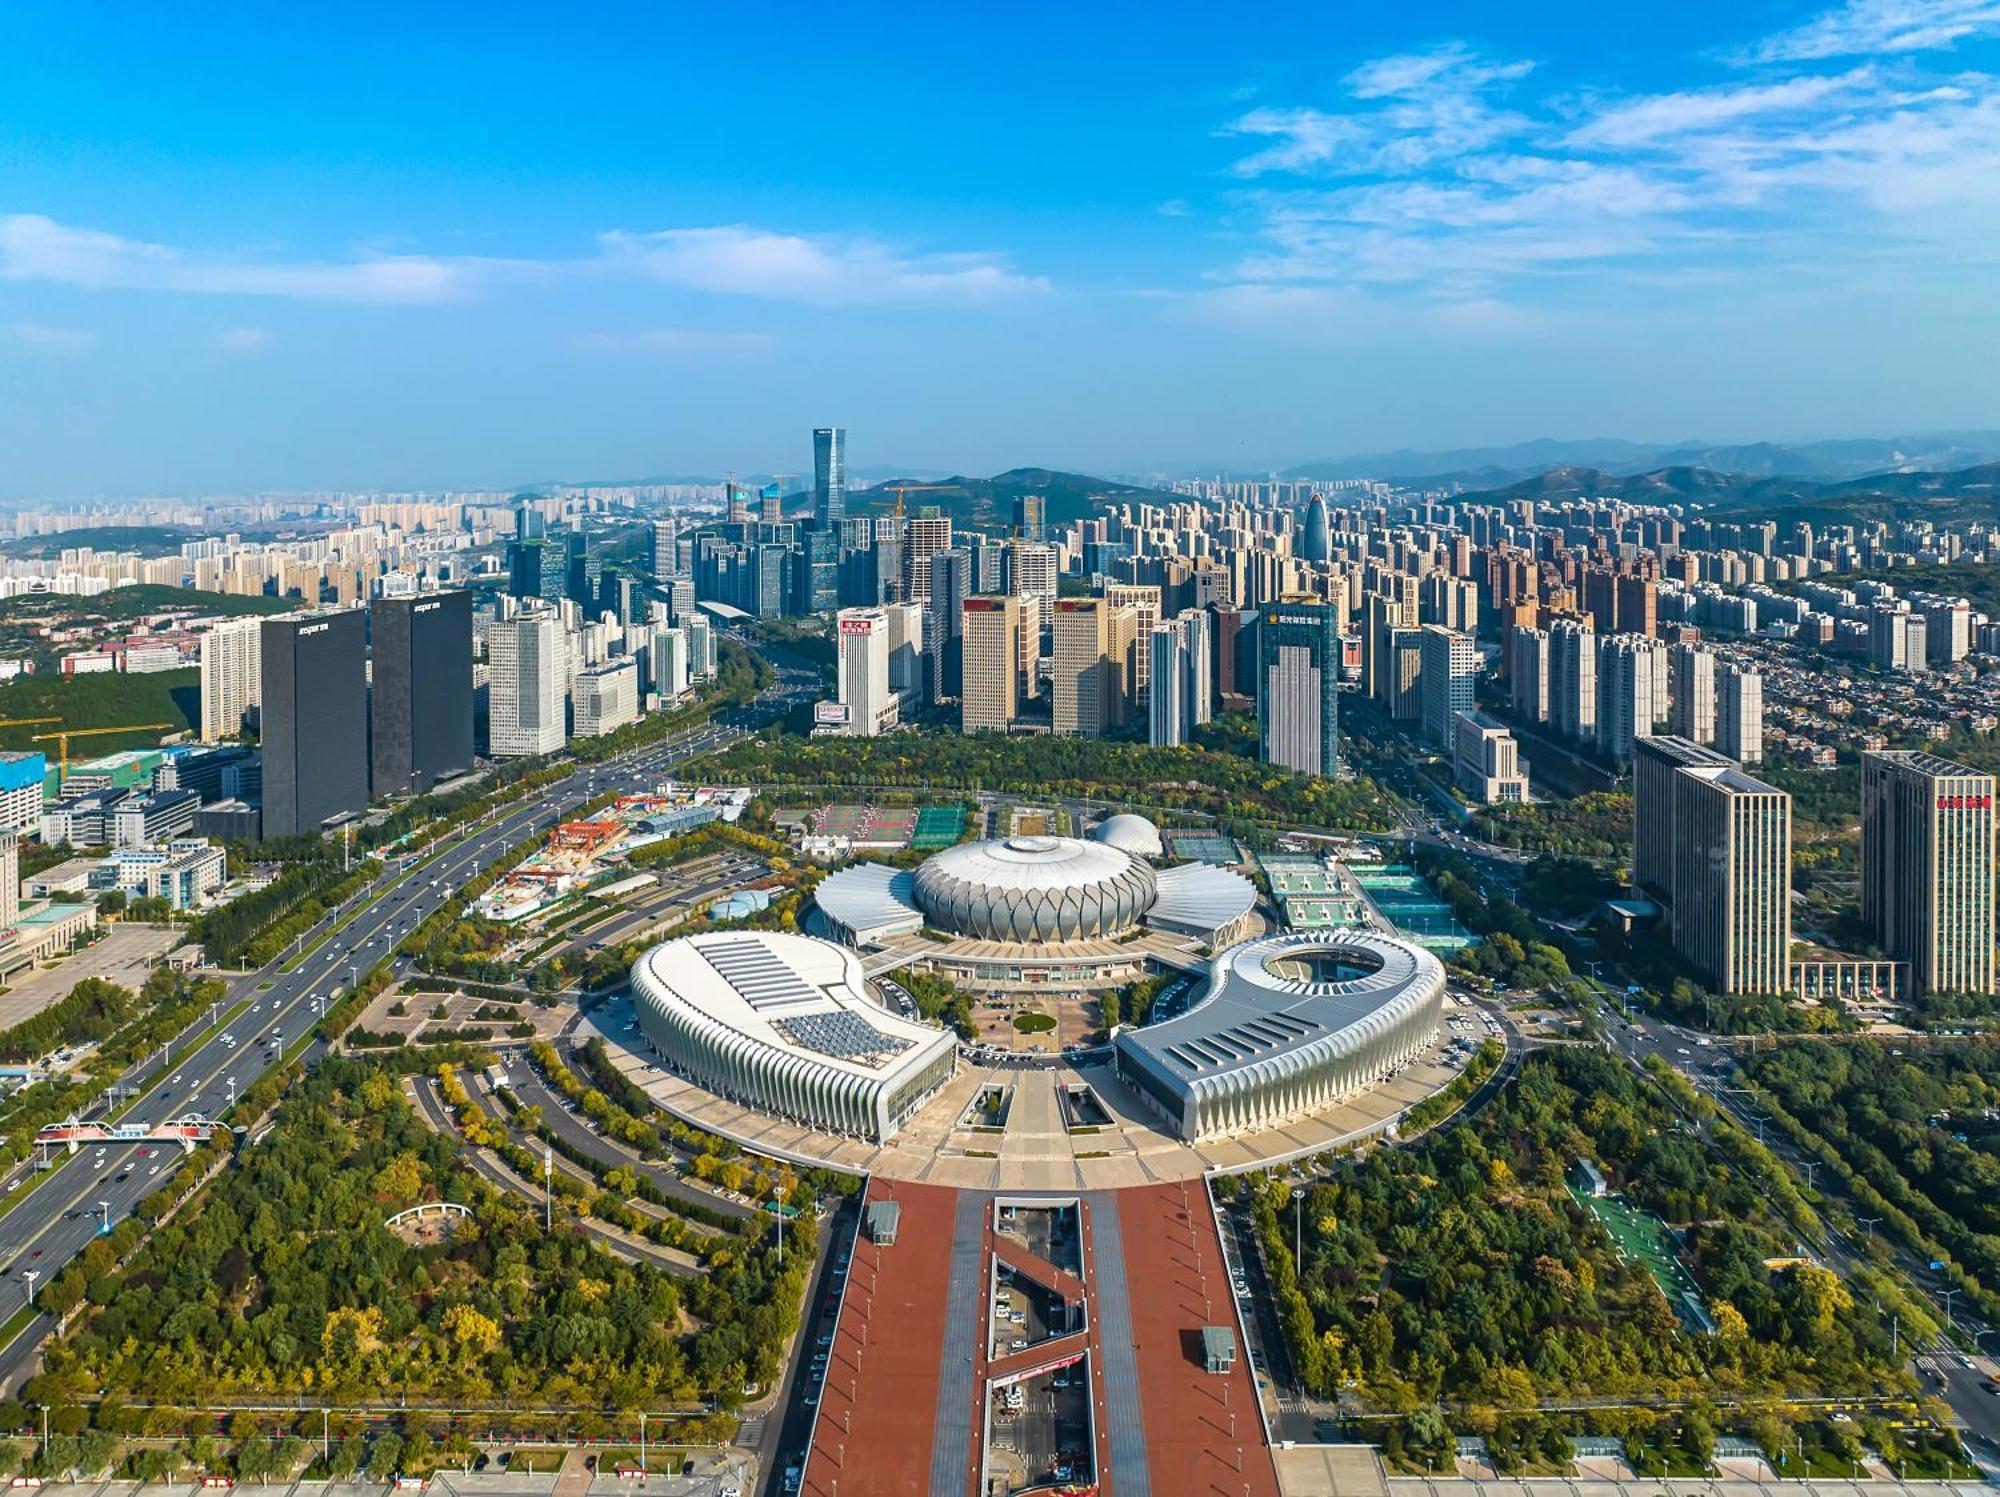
{"x":124,"y":955}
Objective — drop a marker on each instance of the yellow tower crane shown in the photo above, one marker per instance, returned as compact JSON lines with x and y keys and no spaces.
{"x":63,"y":736}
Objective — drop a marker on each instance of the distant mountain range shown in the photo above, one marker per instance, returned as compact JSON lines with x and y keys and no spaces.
{"x":1964,"y":493}
{"x":1823,"y":462}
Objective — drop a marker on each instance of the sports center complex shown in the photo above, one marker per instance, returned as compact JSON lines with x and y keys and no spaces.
{"x":1038,"y":1296}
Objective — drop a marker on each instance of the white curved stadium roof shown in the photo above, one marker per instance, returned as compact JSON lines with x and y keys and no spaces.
{"x":870,"y":901}
{"x":1134,"y":834}
{"x":1199,"y":898}
{"x":782,"y":992}
{"x":1031,"y":863}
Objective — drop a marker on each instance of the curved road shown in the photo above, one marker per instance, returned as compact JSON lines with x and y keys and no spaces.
{"x":69,"y":1204}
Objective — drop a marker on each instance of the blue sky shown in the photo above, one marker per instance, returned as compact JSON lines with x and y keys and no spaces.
{"x":450,"y":245}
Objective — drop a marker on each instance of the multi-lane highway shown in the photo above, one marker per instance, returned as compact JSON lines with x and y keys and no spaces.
{"x":55,"y":1214}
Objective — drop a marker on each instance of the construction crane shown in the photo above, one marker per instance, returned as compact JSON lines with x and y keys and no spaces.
{"x":64,"y":735}
{"x":25,"y":722}
{"x":900,"y":489}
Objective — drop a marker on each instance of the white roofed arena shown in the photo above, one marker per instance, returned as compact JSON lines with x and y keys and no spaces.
{"x":785,"y":1024}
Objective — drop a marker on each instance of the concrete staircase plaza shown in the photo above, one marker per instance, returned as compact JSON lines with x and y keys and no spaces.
{"x":1035,"y":1152}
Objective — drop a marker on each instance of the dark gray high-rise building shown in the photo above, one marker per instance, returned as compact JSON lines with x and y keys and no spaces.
{"x":1298,"y":680}
{"x":420,"y":710}
{"x":830,"y":476}
{"x":314,"y":719}
{"x":944,"y":621}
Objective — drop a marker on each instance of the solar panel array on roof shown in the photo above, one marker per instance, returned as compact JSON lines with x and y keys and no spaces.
{"x":841,"y":1034}
{"x":764,"y":981}
{"x":1271,"y":1031}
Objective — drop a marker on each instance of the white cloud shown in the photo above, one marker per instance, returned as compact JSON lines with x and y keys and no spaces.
{"x":742,"y":260}
{"x":242,"y":339}
{"x":35,"y":248}
{"x":1879,"y":27}
{"x":678,"y":343}
{"x":1418,"y":186}
{"x":1660,"y":118}
{"x":49,"y":338}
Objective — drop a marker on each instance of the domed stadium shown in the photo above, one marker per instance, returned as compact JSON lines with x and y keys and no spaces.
{"x":1031,"y":889}
{"x":1129,"y":833}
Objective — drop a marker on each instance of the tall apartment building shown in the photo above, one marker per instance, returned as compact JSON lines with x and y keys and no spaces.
{"x":1927,"y":848}
{"x":1030,"y":517}
{"x":1486,"y":760}
{"x":1528,"y":673}
{"x":231,"y":676}
{"x":527,"y":680}
{"x":1087,"y":691}
{"x":666,"y":550}
{"x":1627,"y":692}
{"x":1033,"y":614}
{"x":1714,"y":844}
{"x":1446,"y":674}
{"x":990,"y":695}
{"x":1897,"y":640}
{"x":862,"y":636}
{"x":1144,"y":601}
{"x":1739,"y":714}
{"x":1167,"y":705}
{"x":1692,"y":671}
{"x":1198,"y":634}
{"x":420,"y":704}
{"x":314,"y":719}
{"x":1298,"y":681}
{"x":1573,"y":679}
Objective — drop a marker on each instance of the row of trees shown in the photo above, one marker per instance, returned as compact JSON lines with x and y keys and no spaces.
{"x":1226,"y":785}
{"x":287,"y":1280}
{"x":1461,"y":1267}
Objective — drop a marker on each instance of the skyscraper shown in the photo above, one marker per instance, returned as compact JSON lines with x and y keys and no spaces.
{"x":1298,"y":680}
{"x":1714,"y":845}
{"x":1446,"y":676}
{"x":420,"y":707}
{"x":1144,"y":601}
{"x":1317,"y":542}
{"x":666,"y":550}
{"x":863,"y":670}
{"x":1739,"y":715}
{"x":1486,"y":760}
{"x":527,"y":672}
{"x":1927,"y":844}
{"x":231,"y":676}
{"x":1692,"y":668}
{"x":1573,"y":679}
{"x":1086,"y":687}
{"x":1166,"y":708}
{"x":949,"y":580}
{"x":1626,"y":693}
{"x":1732,"y":887}
{"x":314,"y":719}
{"x":830,"y":476}
{"x":990,"y":692}
{"x":1528,"y":673}
{"x":1030,"y":517}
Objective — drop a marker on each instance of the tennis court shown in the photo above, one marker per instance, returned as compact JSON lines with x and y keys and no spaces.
{"x":1201,"y":847}
{"x":938,"y":827}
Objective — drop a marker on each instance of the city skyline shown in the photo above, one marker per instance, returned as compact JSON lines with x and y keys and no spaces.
{"x":651,"y":246}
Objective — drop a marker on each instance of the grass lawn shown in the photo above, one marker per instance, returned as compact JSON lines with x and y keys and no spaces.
{"x":1034,"y":1023}
{"x":536,"y":1459}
